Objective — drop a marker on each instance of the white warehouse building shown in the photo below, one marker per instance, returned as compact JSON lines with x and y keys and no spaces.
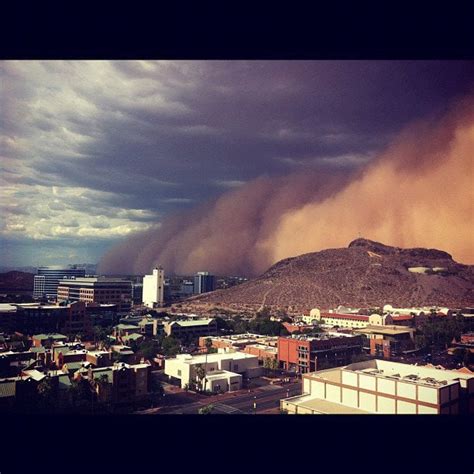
{"x":383,"y":387}
{"x":224,"y":370}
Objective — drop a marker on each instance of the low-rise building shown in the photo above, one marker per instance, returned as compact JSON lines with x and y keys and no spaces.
{"x":47,"y":340}
{"x":183,"y":367}
{"x":309,"y":353}
{"x":223,"y":381}
{"x":297,"y":327}
{"x":120,"y":383}
{"x":387,"y":341}
{"x":99,"y":358}
{"x":12,"y":363}
{"x":150,"y":327}
{"x":239,"y":342}
{"x":34,"y":318}
{"x":352,"y":321}
{"x":190,"y":329}
{"x":383,"y":387}
{"x":125,"y":330}
{"x":263,"y":352}
{"x":132,"y":338}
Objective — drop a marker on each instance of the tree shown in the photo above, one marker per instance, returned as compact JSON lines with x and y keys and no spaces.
{"x":201,"y":374}
{"x":82,"y":395}
{"x":437,"y":332}
{"x":46,"y":395}
{"x":148,"y":349}
{"x":208,"y":344}
{"x":170,"y":346}
{"x":270,"y":363}
{"x":207,"y":410}
{"x":222,"y":324}
{"x":267,"y":327}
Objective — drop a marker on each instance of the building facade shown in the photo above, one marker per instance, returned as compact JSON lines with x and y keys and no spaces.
{"x":184,"y":366}
{"x":47,"y":279}
{"x":203,"y":283}
{"x":35,"y":318}
{"x":264,"y":347}
{"x":153,"y":288}
{"x":190,"y":329}
{"x":383,"y":387}
{"x":97,"y":290}
{"x":304,"y":354}
{"x":387,"y":341}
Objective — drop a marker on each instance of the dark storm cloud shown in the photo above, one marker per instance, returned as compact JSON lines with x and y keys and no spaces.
{"x":164,"y":136}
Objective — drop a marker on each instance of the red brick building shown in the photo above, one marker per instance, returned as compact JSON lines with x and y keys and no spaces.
{"x":262,"y":351}
{"x":310,"y":353}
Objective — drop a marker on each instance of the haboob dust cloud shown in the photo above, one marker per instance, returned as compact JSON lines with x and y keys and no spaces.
{"x":418,"y":193}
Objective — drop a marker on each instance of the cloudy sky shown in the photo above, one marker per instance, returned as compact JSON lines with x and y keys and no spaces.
{"x":94,"y":151}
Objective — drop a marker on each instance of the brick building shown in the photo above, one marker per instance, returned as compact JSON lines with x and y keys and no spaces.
{"x":124,"y":383}
{"x":308,"y":353}
{"x":387,"y":341}
{"x":35,"y":318}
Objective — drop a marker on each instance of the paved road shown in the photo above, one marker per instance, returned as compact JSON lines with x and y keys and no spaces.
{"x":241,"y":402}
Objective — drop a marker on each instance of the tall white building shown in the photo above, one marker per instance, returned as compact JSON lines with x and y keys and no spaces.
{"x":153,"y":288}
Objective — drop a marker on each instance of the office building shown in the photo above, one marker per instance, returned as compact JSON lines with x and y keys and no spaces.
{"x":203,"y":282}
{"x":383,"y":387}
{"x":47,"y":279}
{"x":137,"y":293}
{"x":153,"y":288}
{"x":98,"y":290}
{"x":304,"y":354}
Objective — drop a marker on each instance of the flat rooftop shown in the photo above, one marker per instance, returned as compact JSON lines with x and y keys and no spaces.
{"x":195,"y":322}
{"x":323,"y":336}
{"x":388,"y":330}
{"x":201,"y":359}
{"x":325,"y":407}
{"x":219,"y":374}
{"x":415,"y":374}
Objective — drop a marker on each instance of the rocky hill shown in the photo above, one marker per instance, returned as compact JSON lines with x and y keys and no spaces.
{"x":366,"y":274}
{"x":15,"y":281}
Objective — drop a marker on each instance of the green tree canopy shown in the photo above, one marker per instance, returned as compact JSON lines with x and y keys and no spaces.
{"x":170,"y":346}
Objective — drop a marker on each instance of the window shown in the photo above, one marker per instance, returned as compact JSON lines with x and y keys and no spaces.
{"x":236,"y":367}
{"x":179,"y":373}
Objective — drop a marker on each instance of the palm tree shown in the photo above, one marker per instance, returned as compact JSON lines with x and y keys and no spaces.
{"x":208,"y":344}
{"x":201,"y":374}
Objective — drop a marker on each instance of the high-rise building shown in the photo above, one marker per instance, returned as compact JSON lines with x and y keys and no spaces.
{"x":97,"y":290}
{"x":47,"y":279}
{"x":203,"y":282}
{"x":153,"y":288}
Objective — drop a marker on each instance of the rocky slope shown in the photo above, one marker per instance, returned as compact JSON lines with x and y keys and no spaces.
{"x":15,"y":281}
{"x":365,"y":274}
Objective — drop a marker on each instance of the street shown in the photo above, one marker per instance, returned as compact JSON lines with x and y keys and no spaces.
{"x":266,"y":399}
